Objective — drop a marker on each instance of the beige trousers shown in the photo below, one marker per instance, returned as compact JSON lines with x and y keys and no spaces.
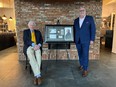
{"x":34,"y":60}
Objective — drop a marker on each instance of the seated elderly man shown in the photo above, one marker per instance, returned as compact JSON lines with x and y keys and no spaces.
{"x":32,"y":44}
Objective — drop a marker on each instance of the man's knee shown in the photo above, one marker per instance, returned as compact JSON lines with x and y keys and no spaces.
{"x":39,"y":51}
{"x":30,"y":50}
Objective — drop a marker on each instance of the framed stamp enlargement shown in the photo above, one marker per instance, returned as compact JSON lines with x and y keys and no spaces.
{"x":59,"y":33}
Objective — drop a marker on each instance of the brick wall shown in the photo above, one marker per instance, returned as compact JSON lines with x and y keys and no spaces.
{"x":48,"y":12}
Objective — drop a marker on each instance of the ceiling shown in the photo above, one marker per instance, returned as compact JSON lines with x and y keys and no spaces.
{"x":108,"y":2}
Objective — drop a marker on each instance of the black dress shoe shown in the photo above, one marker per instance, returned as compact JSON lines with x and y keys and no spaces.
{"x":84,"y":73}
{"x":80,"y":68}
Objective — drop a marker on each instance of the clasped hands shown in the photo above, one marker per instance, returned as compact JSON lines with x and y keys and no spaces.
{"x":36,"y":47}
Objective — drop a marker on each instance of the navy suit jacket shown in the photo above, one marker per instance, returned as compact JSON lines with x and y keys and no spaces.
{"x":27,"y":39}
{"x":87,"y":31}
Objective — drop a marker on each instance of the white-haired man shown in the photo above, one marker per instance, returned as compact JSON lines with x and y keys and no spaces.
{"x":32,"y":44}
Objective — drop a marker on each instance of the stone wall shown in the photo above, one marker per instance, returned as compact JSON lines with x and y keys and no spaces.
{"x":48,"y":12}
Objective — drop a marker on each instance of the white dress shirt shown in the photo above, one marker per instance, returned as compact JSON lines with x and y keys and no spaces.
{"x":81,"y":21}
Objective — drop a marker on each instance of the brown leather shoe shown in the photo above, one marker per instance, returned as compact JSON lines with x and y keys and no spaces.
{"x":39,"y":81}
{"x":84,"y":73}
{"x":80,"y":68}
{"x":35,"y":81}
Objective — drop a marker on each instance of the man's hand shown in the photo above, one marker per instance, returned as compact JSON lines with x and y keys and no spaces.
{"x":36,"y":47}
{"x":91,"y":42}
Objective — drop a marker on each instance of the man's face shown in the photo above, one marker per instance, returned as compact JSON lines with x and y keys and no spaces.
{"x":31,"y":26}
{"x":82,"y":12}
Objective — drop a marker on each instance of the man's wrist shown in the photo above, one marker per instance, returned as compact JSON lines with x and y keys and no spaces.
{"x":39,"y":45}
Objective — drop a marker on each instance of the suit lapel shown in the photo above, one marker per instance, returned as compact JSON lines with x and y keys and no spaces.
{"x":29,"y":32}
{"x":77,"y":23}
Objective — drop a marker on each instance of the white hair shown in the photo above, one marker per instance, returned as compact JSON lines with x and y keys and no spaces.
{"x":31,"y":23}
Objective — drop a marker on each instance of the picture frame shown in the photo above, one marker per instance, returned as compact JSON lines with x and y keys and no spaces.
{"x":59,"y":33}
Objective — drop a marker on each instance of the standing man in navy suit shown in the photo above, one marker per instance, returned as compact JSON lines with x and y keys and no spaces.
{"x":85,"y":30}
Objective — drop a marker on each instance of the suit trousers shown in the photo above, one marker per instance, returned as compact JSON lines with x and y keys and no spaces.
{"x":83,"y":52}
{"x":34,"y":60}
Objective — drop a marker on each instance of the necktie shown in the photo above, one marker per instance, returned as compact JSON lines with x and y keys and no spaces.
{"x":33,"y":38}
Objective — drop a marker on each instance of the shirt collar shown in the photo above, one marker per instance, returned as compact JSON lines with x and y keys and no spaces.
{"x":31,"y":30}
{"x":82,"y":18}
